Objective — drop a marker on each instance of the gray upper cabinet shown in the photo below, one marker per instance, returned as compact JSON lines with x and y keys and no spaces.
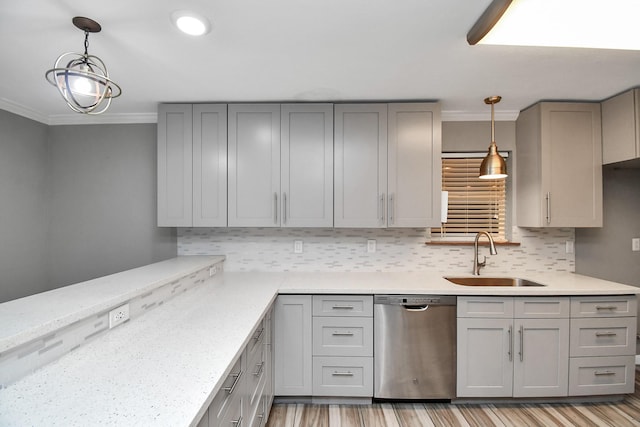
{"x":360,"y":165}
{"x":192,"y":165}
{"x":307,"y":165}
{"x":414,"y":165}
{"x":621,"y":127}
{"x":387,"y":165}
{"x":254,"y":165}
{"x":559,"y":165}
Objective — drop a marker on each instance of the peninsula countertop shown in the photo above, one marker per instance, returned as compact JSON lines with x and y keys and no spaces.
{"x":164,"y":368}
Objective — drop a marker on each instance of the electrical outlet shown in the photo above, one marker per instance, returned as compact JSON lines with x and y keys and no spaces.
{"x":297,"y":246}
{"x":118,"y":315}
{"x":212,"y":271}
{"x":569,"y":246}
{"x":371,"y":246}
{"x":635,"y":244}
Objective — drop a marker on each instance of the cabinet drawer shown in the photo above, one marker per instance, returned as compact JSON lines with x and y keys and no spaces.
{"x":343,"y":305}
{"x":343,"y":336}
{"x":257,"y":339}
{"x":230,"y":391}
{"x":601,"y":375}
{"x":542,"y":308}
{"x":491,"y":307}
{"x":256,"y":377}
{"x":343,"y":376}
{"x":604,"y":306}
{"x":233,"y":415}
{"x":614,"y":336}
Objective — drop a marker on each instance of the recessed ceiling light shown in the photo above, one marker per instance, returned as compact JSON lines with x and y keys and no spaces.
{"x":191,"y":23}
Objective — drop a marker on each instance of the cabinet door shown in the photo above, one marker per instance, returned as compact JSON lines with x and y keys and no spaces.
{"x":620,"y":127}
{"x":292,"y":345}
{"x":360,"y":165}
{"x":542,"y":358}
{"x":307,"y":165}
{"x":209,"y":165}
{"x":254,"y":165}
{"x":485,"y":358}
{"x":174,"y":165}
{"x":572,"y":164}
{"x":414,"y":166}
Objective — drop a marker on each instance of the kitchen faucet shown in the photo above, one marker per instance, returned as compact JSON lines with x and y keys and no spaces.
{"x":492,"y":250}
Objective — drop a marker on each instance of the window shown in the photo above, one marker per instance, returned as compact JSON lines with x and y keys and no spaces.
{"x":474,"y":204}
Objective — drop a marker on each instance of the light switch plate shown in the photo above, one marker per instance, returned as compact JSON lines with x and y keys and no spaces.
{"x":297,"y":246}
{"x":569,"y":247}
{"x":635,"y":244}
{"x":371,"y":246}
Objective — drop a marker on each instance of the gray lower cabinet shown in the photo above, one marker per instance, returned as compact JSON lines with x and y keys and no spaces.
{"x":603,"y":344}
{"x":324,"y":345}
{"x":512,"y":347}
{"x":247,"y":392}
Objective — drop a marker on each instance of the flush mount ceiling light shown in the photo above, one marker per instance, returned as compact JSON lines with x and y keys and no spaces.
{"x":493,"y":165}
{"x":83,"y":79}
{"x":602,"y":24}
{"x":190,"y":23}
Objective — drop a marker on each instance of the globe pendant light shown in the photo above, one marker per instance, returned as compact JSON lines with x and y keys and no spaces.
{"x":493,"y":165}
{"x":83,"y":79}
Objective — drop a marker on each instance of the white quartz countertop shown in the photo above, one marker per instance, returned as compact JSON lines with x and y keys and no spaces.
{"x":164,"y":368}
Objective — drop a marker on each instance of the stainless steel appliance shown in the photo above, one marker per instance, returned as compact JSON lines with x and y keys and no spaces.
{"x":415,"y":347}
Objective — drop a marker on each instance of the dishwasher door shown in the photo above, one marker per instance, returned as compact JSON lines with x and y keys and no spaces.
{"x":415,"y":347}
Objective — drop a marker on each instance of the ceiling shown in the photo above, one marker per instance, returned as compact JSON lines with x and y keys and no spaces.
{"x":293,"y":50}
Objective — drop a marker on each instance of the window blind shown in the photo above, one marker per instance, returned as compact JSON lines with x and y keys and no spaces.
{"x":474,"y":204}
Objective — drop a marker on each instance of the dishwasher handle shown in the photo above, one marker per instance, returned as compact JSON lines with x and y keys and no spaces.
{"x":409,"y":307}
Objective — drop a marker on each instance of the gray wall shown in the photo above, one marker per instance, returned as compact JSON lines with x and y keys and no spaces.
{"x":76,"y":202}
{"x":23,"y":206}
{"x":606,"y":252}
{"x":103,"y":202}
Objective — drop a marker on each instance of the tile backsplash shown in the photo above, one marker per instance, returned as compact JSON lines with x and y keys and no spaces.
{"x":345,"y":250}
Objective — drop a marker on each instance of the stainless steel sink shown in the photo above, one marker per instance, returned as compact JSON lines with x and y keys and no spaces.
{"x":492,"y":281}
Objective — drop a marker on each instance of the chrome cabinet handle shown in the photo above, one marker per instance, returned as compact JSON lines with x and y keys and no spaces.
{"x":284,"y":208}
{"x":521,"y":331}
{"x":606,"y":307}
{"x":510,"y":352}
{"x":382,"y":209}
{"x":606,"y":334}
{"x":343,"y":307}
{"x":342,"y":334}
{"x":258,"y":334}
{"x":603,"y":373}
{"x":237,"y":422}
{"x":392,"y":209}
{"x":230,"y":390}
{"x":342,"y":374}
{"x":548,"y":208}
{"x":260,"y":367}
{"x":275,"y":208}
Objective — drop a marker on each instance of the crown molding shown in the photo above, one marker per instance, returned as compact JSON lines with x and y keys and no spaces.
{"x":106,"y":118}
{"x":467,"y":116}
{"x":23,"y":111}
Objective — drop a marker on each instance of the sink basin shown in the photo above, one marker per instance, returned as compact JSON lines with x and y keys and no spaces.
{"x":492,"y":281}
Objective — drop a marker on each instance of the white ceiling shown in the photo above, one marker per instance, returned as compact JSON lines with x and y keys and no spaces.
{"x":293,"y":50}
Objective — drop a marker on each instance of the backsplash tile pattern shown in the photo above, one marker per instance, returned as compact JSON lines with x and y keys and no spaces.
{"x":24,"y":359}
{"x":345,"y":250}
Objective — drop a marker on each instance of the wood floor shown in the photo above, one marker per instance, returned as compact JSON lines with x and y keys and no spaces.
{"x":624,"y":413}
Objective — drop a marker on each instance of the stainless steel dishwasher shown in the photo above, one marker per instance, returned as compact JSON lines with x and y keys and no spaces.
{"x":414,"y":347}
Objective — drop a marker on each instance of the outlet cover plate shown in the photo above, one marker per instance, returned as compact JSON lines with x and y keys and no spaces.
{"x":297,"y":246}
{"x":371,"y":246}
{"x":118,"y":315}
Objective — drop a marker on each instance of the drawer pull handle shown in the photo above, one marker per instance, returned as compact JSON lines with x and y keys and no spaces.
{"x":230,"y":390}
{"x":606,"y":307}
{"x":260,"y":367}
{"x":510,"y":345}
{"x":521,"y":333}
{"x":342,"y":374}
{"x":258,"y":334}
{"x":606,"y":334}
{"x":604,"y":373}
{"x":237,"y":422}
{"x":343,"y":307}
{"x":342,"y":334}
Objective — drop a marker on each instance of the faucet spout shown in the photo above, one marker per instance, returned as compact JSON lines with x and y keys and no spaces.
{"x":492,"y":250}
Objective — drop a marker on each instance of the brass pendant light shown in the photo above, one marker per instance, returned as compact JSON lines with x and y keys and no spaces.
{"x":493,"y":165}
